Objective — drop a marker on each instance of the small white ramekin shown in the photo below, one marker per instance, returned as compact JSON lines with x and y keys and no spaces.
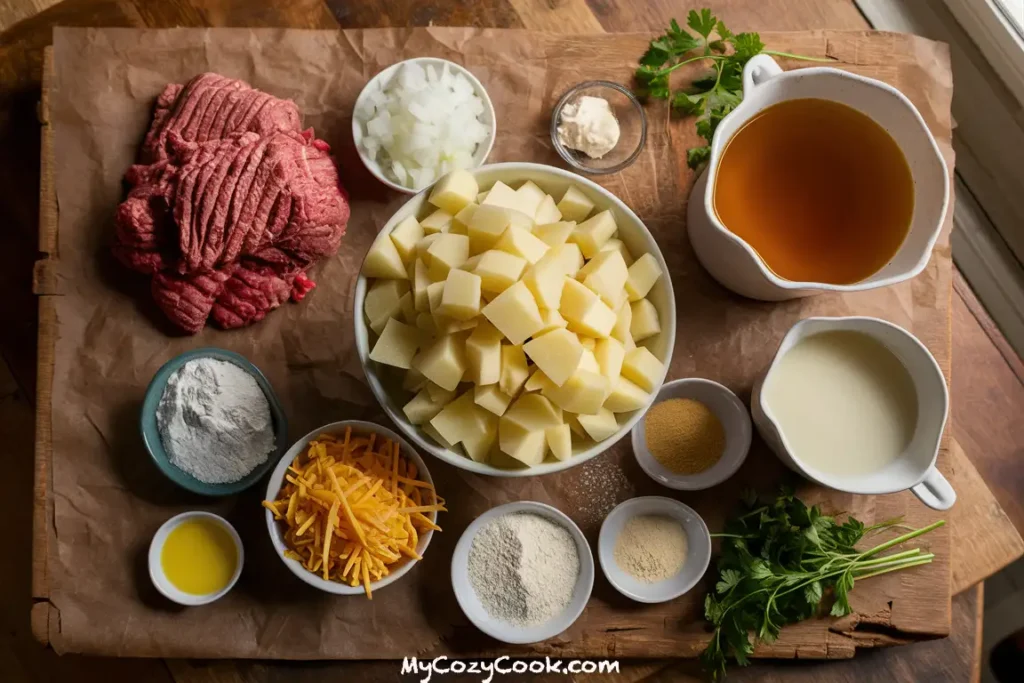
{"x":156,"y":568}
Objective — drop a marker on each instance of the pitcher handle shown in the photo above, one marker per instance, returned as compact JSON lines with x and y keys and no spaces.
{"x":935,"y":491}
{"x":758,"y":70}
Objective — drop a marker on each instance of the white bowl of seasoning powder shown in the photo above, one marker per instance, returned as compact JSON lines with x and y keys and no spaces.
{"x":522,"y":572}
{"x":654,"y":549}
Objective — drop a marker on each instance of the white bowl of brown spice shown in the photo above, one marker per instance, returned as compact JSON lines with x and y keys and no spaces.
{"x":695,"y":435}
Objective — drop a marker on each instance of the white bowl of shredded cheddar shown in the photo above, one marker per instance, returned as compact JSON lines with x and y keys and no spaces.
{"x":351,"y":507}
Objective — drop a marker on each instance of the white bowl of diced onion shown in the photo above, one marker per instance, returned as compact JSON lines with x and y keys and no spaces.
{"x":389,"y":383}
{"x":421,"y":118}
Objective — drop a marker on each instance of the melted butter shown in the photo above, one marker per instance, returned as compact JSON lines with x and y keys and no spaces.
{"x":199,"y":557}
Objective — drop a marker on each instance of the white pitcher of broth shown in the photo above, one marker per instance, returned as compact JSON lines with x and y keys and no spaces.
{"x":857,"y":405}
{"x":820,"y":180}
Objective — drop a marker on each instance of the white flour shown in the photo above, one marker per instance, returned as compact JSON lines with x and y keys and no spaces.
{"x":523,"y":568}
{"x":215,"y":421}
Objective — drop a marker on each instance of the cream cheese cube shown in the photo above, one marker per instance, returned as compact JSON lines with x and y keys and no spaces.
{"x":547,"y":211}
{"x":460,"y":298}
{"x":483,"y":354}
{"x":499,"y":270}
{"x":514,"y":312}
{"x":644,"y":322}
{"x":492,"y":399}
{"x":529,"y":197}
{"x":643,"y":368}
{"x":397,"y":345}
{"x":642,"y":276}
{"x":593,"y":233}
{"x":556,"y":353}
{"x":421,"y":408}
{"x":384,"y":261}
{"x":521,"y":242}
{"x":487,"y":226}
{"x":599,"y":426}
{"x":559,"y":440}
{"x":454,"y":191}
{"x":443,"y":363}
{"x":626,"y":396}
{"x":439,"y":221}
{"x":575,"y":205}
{"x":514,"y":370}
{"x":554,"y":233}
{"x":446,"y":252}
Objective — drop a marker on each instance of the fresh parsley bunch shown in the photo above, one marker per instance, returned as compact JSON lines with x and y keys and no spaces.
{"x":713,"y":95}
{"x":779,"y":561}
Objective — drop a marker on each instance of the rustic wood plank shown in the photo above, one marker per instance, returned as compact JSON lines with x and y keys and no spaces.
{"x":559,"y":16}
{"x":739,"y":15}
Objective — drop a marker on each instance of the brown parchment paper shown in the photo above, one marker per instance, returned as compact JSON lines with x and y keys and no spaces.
{"x":108,"y":499}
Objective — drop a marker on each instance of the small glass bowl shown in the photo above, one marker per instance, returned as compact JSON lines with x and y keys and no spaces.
{"x":632,"y":128}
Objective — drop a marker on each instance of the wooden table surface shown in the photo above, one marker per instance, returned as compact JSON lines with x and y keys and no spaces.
{"x":988,"y":386}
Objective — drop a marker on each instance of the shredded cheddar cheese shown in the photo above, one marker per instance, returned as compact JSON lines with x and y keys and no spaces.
{"x":351,"y":512}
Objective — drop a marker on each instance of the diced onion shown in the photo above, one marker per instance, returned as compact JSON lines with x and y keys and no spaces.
{"x":421,"y":125}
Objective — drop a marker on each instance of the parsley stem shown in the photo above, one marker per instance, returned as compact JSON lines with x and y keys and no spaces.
{"x":922,"y":560}
{"x":675,"y":66}
{"x":804,"y":58}
{"x":901,"y":539}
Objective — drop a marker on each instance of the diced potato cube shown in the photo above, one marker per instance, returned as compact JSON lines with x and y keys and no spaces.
{"x":521,"y":220}
{"x":588,"y":361}
{"x":405,"y":235}
{"x":642,"y":276}
{"x":556,"y":353}
{"x":583,"y":393}
{"x":435,"y":292}
{"x":423,"y":247}
{"x":559,"y":439}
{"x":448,"y":251}
{"x":626,"y":396}
{"x":573,"y":420}
{"x":408,"y":308}
{"x":487,"y":226}
{"x":397,"y":345}
{"x":529,"y":197}
{"x":525,"y":446}
{"x":554,"y":234}
{"x":426,"y":323}
{"x":420,"y":283}
{"x":552,"y":319}
{"x":514,"y":370}
{"x":607,"y":277}
{"x":574,"y":205}
{"x":600,"y":426}
{"x":568,"y":256}
{"x":414,"y":380}
{"x":533,"y":411}
{"x":439,"y":394}
{"x":446,"y":325}
{"x":502,"y":195}
{"x":478,"y":446}
{"x":461,"y":296}
{"x":383,"y":302}
{"x":514,"y":312}
{"x":598,"y":321}
{"x":588,"y":342}
{"x":421,"y":408}
{"x":521,"y":242}
{"x":545,"y":280}
{"x":610,"y":353}
{"x":429,"y":430}
{"x":443,"y":363}
{"x":615,"y":244}
{"x":499,"y":270}
{"x":459,"y":419}
{"x":454,"y":191}
{"x":644,"y":323}
{"x":538,"y":381}
{"x":643,"y":368}
{"x":471,"y":263}
{"x":481,"y":196}
{"x":576,"y":300}
{"x":592,"y":233}
{"x":492,"y":398}
{"x":629,"y":344}
{"x":547,"y":211}
{"x":439,"y":221}
{"x":623,"y":321}
{"x":383,"y":260}
{"x":483,"y":354}
{"x":461,"y":220}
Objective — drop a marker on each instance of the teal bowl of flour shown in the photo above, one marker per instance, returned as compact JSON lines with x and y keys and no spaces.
{"x":154,"y":442}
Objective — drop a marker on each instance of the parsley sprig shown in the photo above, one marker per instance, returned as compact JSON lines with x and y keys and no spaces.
{"x":714,"y":94}
{"x":778,"y":563}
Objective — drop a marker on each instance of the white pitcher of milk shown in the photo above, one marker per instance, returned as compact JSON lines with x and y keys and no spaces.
{"x":858,"y":405}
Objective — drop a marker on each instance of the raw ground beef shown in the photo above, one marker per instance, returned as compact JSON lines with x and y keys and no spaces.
{"x":230,"y":203}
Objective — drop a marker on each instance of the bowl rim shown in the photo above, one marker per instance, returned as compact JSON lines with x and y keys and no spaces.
{"x":274,"y":487}
{"x":568,"y":157}
{"x":155,"y":447}
{"x":374,"y":168}
{"x":667,"y":319}
{"x":159,"y":578}
{"x":606,"y":545}
{"x":462,"y":586}
{"x":685,"y":482}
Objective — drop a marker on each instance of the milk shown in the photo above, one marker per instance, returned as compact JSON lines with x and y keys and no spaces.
{"x":845,"y":404}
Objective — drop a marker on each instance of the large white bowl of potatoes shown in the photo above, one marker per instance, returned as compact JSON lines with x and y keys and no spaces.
{"x":515,"y":320}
